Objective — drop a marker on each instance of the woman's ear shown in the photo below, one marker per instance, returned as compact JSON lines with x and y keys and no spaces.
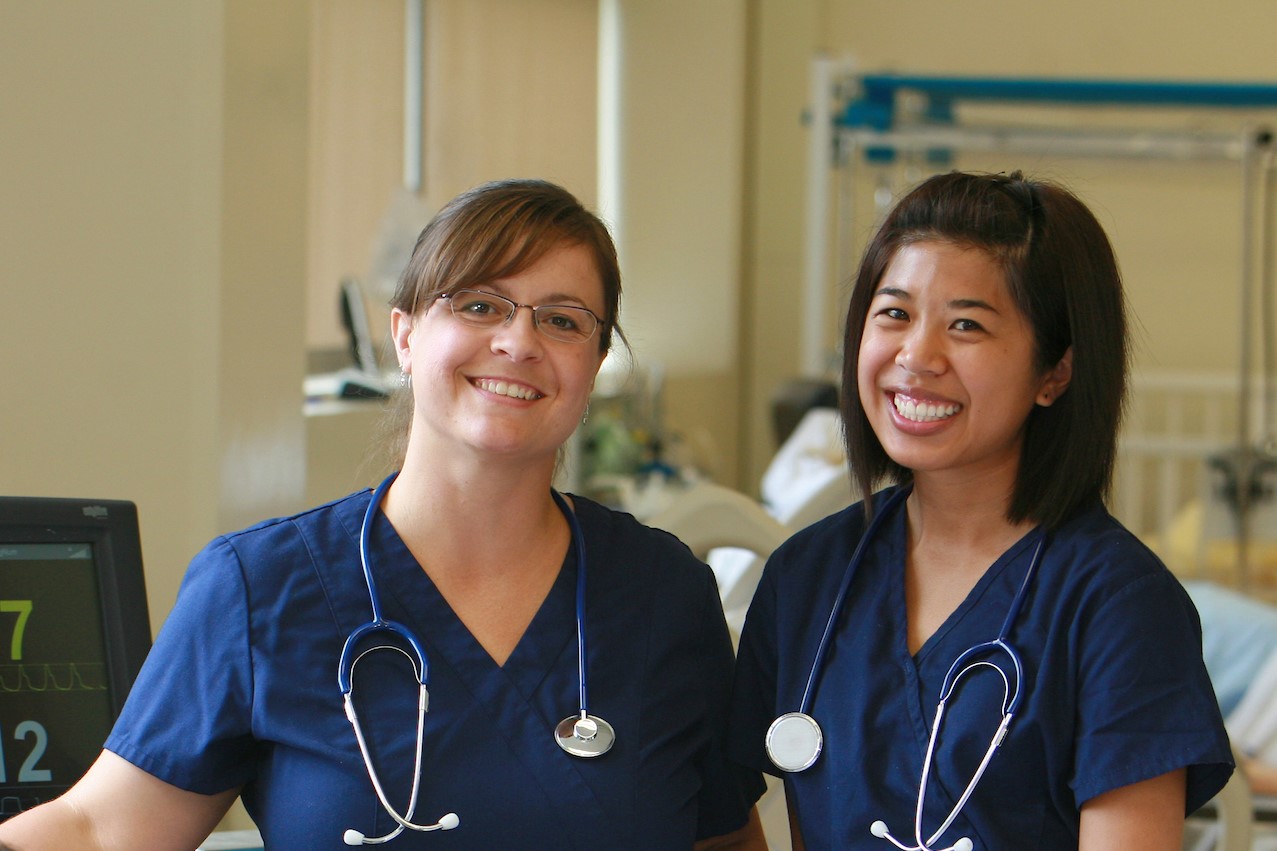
{"x":1056,"y":380}
{"x":401,"y":334}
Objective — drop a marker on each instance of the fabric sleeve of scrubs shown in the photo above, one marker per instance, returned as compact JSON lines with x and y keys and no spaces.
{"x":197,"y":680}
{"x":1141,"y":687}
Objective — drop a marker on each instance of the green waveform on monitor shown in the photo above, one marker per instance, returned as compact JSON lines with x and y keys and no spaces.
{"x":53,"y":676}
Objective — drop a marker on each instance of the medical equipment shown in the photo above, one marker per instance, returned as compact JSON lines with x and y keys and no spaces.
{"x":582,"y":735}
{"x":794,"y":741}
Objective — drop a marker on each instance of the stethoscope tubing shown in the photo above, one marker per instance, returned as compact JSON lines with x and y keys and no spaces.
{"x":1000,"y":643}
{"x":578,"y":542}
{"x":965,"y":663}
{"x":853,"y":566}
{"x":345,"y":666}
{"x":587,"y":737}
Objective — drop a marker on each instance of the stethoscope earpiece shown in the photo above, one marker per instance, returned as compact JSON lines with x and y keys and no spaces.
{"x":879,"y":829}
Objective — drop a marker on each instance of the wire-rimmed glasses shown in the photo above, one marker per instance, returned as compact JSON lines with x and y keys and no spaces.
{"x":563,"y":322}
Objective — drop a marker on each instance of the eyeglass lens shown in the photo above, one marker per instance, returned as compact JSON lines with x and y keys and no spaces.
{"x":556,"y":321}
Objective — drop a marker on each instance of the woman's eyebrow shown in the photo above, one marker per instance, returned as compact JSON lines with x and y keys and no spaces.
{"x":552,"y":298}
{"x":972,"y":304}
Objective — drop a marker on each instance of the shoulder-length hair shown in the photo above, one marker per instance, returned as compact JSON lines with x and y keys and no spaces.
{"x":1062,"y":274}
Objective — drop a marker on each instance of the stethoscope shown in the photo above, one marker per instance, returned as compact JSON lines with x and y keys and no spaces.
{"x":581,"y":735}
{"x":794,"y":741}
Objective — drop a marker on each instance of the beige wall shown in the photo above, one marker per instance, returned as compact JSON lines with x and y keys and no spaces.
{"x":151,"y":252}
{"x":509,"y":91}
{"x":674,"y":189}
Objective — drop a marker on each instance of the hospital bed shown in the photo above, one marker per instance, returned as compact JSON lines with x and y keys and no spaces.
{"x":1176,"y":484}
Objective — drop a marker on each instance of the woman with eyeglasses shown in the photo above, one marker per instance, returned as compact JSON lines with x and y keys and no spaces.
{"x":464,"y":595}
{"x":979,"y":656}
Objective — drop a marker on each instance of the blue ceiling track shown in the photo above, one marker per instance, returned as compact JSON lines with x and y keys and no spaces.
{"x":875,"y":105}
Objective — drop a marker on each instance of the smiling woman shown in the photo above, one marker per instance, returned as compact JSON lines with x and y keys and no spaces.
{"x":988,"y":588}
{"x":499,"y":597}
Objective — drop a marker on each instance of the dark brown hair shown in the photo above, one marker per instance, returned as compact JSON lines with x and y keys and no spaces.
{"x":1063,"y":276}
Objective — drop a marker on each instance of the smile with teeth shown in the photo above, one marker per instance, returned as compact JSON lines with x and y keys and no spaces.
{"x":505,"y":388}
{"x":923,"y":412}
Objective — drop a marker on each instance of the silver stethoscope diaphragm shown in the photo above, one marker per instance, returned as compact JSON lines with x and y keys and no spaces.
{"x":794,"y":741}
{"x":585,"y":735}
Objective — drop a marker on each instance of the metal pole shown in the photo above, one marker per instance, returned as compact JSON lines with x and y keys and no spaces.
{"x":414,"y":67}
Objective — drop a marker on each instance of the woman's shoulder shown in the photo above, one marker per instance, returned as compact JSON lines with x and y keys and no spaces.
{"x":826,"y":544}
{"x":1093,"y":541}
{"x":620,"y":543}
{"x":1100,"y":565}
{"x":314,"y":529}
{"x":337,"y":510}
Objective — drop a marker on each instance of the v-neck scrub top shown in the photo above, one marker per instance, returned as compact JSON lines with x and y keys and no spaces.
{"x":1115,"y":687}
{"x":241,"y":688}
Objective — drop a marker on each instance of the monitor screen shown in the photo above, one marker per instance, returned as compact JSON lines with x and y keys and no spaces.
{"x":74,"y":629}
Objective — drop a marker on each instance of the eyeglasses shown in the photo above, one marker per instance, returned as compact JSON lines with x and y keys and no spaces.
{"x":488,"y":310}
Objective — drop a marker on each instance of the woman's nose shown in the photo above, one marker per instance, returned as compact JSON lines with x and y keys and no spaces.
{"x":921,"y":352}
{"x":518,"y":336}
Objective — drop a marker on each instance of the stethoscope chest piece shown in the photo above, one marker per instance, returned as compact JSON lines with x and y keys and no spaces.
{"x":585,"y":735}
{"x":794,"y":741}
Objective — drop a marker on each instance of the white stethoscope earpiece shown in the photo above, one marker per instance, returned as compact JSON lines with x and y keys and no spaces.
{"x":354,"y":837}
{"x":879,"y":829}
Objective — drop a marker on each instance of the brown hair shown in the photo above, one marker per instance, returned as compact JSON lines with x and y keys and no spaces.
{"x":500,"y":229}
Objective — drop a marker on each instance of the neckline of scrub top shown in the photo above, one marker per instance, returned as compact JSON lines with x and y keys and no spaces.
{"x":428,"y":614}
{"x":505,"y":695}
{"x":895,"y":555}
{"x":921,"y":703}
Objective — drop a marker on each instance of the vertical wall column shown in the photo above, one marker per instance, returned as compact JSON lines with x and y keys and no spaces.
{"x":672,"y":99}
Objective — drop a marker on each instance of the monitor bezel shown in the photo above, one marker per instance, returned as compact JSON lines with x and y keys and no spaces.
{"x":111,"y":527}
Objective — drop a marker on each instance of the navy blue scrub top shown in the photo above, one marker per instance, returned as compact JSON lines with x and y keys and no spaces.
{"x":1116,"y":688}
{"x":241,"y":689}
